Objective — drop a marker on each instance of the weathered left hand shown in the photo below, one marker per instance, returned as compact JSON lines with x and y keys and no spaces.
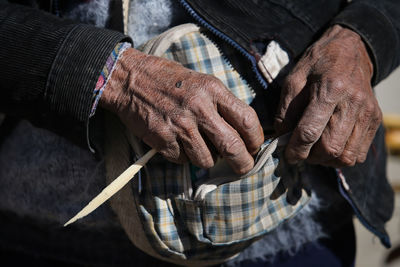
{"x":328,"y":102}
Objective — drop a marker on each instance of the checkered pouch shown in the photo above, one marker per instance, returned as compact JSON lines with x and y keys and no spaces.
{"x":186,"y":215}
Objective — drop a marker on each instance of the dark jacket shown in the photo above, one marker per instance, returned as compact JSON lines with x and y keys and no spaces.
{"x":49,"y":66}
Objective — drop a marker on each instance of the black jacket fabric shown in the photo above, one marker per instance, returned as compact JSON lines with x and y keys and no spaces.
{"x":296,"y":24}
{"x":49,"y":66}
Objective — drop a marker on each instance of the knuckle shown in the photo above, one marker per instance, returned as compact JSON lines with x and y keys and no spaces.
{"x":312,"y":53}
{"x":358,"y":97}
{"x":333,"y":150}
{"x":231,"y":147}
{"x":308,"y":135}
{"x":183,"y":122}
{"x":188,"y":133}
{"x":195,"y":101}
{"x":196,"y":105}
{"x":294,"y":80}
{"x":370,"y":109}
{"x":362,"y":158}
{"x":347,"y":160}
{"x":338,"y":85}
{"x":171,"y":152}
{"x":213,"y":82}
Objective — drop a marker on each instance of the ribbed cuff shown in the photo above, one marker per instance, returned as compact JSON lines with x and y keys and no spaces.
{"x":76,"y":69}
{"x":377,"y":32}
{"x":106,"y":74}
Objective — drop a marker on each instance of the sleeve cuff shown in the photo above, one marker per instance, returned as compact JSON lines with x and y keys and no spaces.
{"x":106,"y":74}
{"x":76,"y":69}
{"x":377,"y":32}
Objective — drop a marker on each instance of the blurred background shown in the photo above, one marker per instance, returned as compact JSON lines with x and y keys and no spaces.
{"x":370,"y":253}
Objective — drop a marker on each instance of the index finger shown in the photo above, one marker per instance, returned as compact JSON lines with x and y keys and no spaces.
{"x":242,"y":118}
{"x":228,"y":143}
{"x":309,"y":129}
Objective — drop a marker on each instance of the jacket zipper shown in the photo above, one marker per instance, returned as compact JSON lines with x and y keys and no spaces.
{"x":239,"y":48}
{"x":383,"y":237}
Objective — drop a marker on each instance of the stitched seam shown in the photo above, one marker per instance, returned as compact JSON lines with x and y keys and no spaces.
{"x":56,"y":58}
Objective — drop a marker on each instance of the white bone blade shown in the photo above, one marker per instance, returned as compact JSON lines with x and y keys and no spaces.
{"x":114,"y":187}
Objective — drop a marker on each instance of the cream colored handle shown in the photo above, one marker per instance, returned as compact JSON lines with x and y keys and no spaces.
{"x":114,"y":187}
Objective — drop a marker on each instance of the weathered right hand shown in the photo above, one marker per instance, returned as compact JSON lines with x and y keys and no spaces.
{"x":173,"y":110}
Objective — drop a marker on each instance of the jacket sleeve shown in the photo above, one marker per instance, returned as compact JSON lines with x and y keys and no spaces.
{"x":378,"y":23}
{"x":48,"y":66}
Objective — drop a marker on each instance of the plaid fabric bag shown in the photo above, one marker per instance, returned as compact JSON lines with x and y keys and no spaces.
{"x":186,"y":215}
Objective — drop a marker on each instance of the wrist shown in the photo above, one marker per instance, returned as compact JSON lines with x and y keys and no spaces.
{"x":355,"y":40}
{"x":115,"y":91}
{"x":106,"y":73}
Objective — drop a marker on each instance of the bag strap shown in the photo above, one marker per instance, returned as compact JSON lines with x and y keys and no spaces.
{"x":125,"y":14}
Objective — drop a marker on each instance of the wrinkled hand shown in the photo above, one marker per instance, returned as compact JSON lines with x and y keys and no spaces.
{"x":328,"y":102}
{"x":182,"y":113}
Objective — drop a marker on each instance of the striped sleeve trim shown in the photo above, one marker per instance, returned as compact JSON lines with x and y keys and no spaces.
{"x":106,"y":74}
